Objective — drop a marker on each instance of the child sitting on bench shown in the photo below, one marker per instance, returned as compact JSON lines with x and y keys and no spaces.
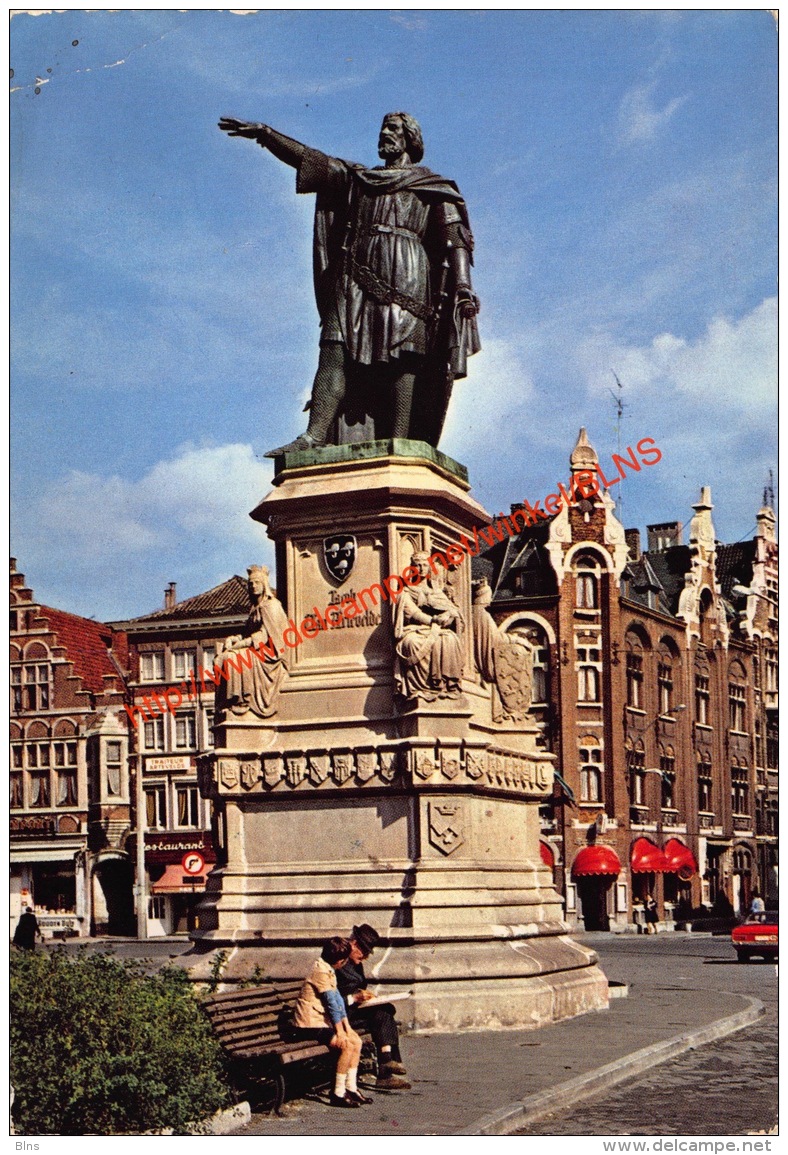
{"x":320,"y":1014}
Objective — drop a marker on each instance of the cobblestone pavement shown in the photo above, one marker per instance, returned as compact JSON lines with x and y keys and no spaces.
{"x":726,"y":1088}
{"x":676,"y":982}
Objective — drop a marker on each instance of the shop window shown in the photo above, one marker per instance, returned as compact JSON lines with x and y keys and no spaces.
{"x":67,"y":788}
{"x":157,"y":907}
{"x":590,"y":770}
{"x":185,"y":732}
{"x":17,"y":801}
{"x":152,"y":667}
{"x":39,"y":789}
{"x":156,"y":807}
{"x":154,"y":734}
{"x":187,"y":805}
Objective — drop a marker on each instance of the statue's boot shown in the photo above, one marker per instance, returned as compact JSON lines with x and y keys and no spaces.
{"x":304,"y":441}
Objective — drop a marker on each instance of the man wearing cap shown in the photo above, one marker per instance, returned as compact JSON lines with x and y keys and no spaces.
{"x":379,"y":1021}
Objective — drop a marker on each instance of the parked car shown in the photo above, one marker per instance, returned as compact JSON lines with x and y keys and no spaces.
{"x":757,"y":935}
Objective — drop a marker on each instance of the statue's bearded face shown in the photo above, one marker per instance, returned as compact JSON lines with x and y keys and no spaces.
{"x":392,"y":142}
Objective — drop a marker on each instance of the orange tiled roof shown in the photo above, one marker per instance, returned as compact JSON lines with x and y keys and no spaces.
{"x":86,"y":644}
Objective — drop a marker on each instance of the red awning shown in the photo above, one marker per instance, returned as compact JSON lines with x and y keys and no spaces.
{"x":680,"y":859}
{"x":596,"y":860}
{"x":647,"y":858}
{"x":546,"y":854}
{"x":171,"y":882}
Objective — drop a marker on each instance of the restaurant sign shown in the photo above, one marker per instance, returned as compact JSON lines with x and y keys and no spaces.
{"x":166,"y":848}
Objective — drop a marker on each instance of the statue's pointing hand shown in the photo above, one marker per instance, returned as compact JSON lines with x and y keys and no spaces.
{"x":243,"y":128}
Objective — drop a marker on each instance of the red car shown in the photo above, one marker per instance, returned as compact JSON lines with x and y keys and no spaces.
{"x":756,"y":935}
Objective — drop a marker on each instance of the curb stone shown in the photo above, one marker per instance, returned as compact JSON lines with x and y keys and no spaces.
{"x":515,"y":1116}
{"x":222,"y":1123}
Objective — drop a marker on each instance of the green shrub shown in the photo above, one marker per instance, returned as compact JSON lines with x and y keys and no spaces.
{"x":100,"y":1048}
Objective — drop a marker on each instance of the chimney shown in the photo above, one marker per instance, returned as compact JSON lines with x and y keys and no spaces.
{"x":169,"y":596}
{"x":663,"y":536}
{"x":632,"y":537}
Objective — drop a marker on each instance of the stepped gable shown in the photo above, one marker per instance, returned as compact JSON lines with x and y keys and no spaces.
{"x":229,"y":598}
{"x":87,"y":644}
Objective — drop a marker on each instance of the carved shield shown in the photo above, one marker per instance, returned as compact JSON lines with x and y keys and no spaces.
{"x":446,"y":832}
{"x":339,"y":554}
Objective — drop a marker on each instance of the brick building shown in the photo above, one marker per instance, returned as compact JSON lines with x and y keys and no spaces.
{"x":655,"y":684}
{"x":69,"y":787}
{"x":168,"y":649}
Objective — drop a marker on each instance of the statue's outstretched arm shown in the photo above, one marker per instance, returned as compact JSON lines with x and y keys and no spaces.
{"x":283,"y":147}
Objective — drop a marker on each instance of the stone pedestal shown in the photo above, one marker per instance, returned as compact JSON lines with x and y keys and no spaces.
{"x":351,"y":804}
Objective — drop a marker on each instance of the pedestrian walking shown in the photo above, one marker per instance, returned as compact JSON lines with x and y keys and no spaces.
{"x":650,"y":908}
{"x":757,"y":905}
{"x":26,"y":930}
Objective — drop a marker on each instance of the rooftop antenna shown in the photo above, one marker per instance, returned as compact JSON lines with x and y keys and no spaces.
{"x":619,"y":400}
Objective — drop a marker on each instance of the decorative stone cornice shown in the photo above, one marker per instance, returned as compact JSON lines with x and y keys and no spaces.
{"x":416,"y":764}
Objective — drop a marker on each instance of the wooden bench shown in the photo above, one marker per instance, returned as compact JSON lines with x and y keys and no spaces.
{"x":254,"y":1029}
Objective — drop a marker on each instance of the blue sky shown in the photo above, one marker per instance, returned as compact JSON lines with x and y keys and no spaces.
{"x":620,"y":173}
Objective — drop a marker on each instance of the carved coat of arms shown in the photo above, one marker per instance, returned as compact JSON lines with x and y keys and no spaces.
{"x":339,"y":554}
{"x":446,"y":833}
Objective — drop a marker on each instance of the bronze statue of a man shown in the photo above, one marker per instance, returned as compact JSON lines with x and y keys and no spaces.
{"x":392,"y":257}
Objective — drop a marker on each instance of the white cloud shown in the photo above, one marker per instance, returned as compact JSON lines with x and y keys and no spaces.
{"x":118,"y":538}
{"x":639,"y":118}
{"x":733,"y":364}
{"x":488,"y":408}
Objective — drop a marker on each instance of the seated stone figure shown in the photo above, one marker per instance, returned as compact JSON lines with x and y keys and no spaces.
{"x":254,"y":680}
{"x":427,"y":628}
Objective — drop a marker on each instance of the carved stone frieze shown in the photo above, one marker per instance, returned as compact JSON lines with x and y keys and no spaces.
{"x":491,"y":769}
{"x":273,"y":770}
{"x":319,"y":767}
{"x":251,"y":772}
{"x":343,"y":767}
{"x":295,"y":769}
{"x":366,"y":764}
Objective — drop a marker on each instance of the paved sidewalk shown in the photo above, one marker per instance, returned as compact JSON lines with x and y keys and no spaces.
{"x":468,"y":1083}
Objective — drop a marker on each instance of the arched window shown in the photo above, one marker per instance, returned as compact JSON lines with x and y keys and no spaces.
{"x":666,"y":665}
{"x":737,"y":698}
{"x":587,"y":568}
{"x":634,"y":658}
{"x":636,"y":763}
{"x":740,"y":789}
{"x":702,"y":698}
{"x":590,"y":762}
{"x":704,"y":781}
{"x":667,"y":766}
